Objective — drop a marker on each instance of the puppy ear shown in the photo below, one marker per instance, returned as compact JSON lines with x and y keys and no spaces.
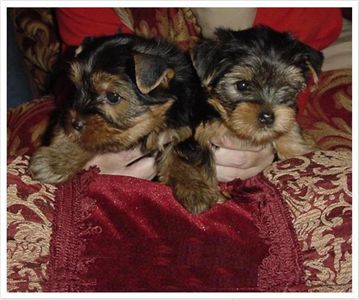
{"x":204,"y":59}
{"x":314,"y":61}
{"x":225,"y":34}
{"x":151,"y":72}
{"x":86,"y":41}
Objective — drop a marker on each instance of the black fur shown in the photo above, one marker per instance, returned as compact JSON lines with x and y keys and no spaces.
{"x":115,"y":55}
{"x":266,"y":51}
{"x":121,"y":55}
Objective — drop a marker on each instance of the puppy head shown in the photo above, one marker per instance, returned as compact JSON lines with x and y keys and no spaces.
{"x":254,"y":77}
{"x":122,"y":89}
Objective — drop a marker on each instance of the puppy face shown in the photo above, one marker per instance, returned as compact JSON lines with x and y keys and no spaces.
{"x":254,"y":77}
{"x":122,"y":92}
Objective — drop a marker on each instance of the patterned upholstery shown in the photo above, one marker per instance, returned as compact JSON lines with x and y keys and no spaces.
{"x":30,"y":207}
{"x":37,"y":38}
{"x":316,"y":188}
{"x":327,"y":116}
{"x":39,"y":42}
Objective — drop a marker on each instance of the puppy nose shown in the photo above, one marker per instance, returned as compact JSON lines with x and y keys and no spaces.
{"x":78,"y":124}
{"x":266,"y":118}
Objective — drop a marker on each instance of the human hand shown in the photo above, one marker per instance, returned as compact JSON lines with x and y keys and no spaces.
{"x":132,"y":163}
{"x":236,"y":158}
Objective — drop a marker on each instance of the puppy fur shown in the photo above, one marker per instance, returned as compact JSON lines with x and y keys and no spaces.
{"x":134,"y":91}
{"x":253,"y":77}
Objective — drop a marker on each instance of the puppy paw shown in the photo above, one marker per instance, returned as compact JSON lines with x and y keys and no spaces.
{"x":55,"y":164}
{"x":46,"y":168}
{"x":199,"y":200}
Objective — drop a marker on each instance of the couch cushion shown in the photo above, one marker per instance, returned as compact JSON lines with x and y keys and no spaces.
{"x":26,"y":125}
{"x":310,"y":237}
{"x":327,"y":115}
{"x":30,"y":209}
{"x":317,"y":189}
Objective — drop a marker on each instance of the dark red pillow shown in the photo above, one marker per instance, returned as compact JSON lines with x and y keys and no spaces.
{"x":317,"y":27}
{"x":76,"y":23}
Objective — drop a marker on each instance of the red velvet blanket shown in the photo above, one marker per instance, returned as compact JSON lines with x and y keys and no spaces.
{"x":125,"y":234}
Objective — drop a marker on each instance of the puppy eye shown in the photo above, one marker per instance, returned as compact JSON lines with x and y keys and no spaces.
{"x":242,"y":85}
{"x":113,"y":97}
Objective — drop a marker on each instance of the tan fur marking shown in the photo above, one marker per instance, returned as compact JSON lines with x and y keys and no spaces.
{"x":285,"y":135}
{"x":292,"y":75}
{"x":76,"y":74}
{"x":103,"y":82}
{"x":312,"y":71}
{"x":241,"y":72}
{"x":98,"y":135}
{"x":116,"y":111}
{"x":206,"y":81}
{"x":162,"y":80}
{"x":206,"y":131}
{"x":165,"y":79}
{"x":216,"y":103}
{"x":244,"y":122}
{"x":158,"y":139}
{"x":293,"y":143}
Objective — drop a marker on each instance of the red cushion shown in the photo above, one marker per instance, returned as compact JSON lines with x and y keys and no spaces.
{"x":26,"y":125}
{"x":76,"y":23}
{"x":317,"y":27}
{"x":327,"y":115}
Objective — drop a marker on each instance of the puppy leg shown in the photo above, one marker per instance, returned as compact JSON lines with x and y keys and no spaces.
{"x":293,"y":143}
{"x":59,"y":161}
{"x":189,"y":170}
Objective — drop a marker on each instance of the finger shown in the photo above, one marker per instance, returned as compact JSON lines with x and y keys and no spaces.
{"x":144,"y":168}
{"x":230,"y":158}
{"x":235,"y":143}
{"x":243,"y":159}
{"x":107,"y":161}
{"x":130,"y":156}
{"x":225,"y":174}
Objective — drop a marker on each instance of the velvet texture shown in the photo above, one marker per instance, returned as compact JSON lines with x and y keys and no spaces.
{"x":126,"y":234}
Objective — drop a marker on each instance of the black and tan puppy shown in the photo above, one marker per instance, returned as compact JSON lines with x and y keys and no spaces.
{"x":253,"y":77}
{"x":130,"y":91}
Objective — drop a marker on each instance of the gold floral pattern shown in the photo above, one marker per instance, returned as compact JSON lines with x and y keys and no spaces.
{"x":327,"y":114}
{"x":125,"y":16}
{"x":39,"y":43}
{"x":316,"y":187}
{"x":317,"y":191}
{"x":178,"y":25}
{"x":26,"y":125}
{"x":30,"y":207}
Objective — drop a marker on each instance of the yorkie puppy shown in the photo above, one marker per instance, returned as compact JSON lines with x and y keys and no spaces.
{"x":134,"y":91}
{"x":253,"y":77}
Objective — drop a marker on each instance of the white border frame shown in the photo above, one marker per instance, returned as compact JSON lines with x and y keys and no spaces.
{"x":175,"y":3}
